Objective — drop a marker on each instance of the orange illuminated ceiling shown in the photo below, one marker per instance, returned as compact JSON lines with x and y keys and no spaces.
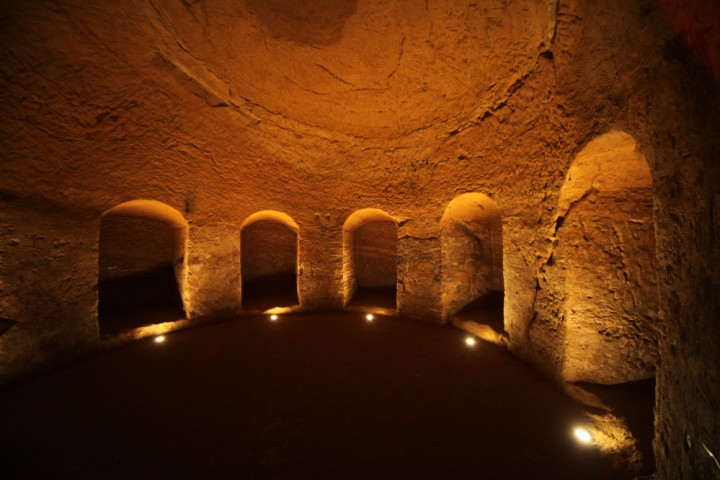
{"x":364,"y":69}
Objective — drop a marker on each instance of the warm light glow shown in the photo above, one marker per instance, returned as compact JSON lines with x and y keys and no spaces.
{"x":365,"y":216}
{"x":271,"y":216}
{"x":582,"y":435}
{"x":369,"y":317}
{"x":471,"y":207}
{"x":160,"y":339}
{"x":273,"y":317}
{"x":470,"y":341}
{"x":278,"y":310}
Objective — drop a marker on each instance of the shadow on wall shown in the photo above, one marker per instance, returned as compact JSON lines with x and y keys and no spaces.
{"x":269,"y":261}
{"x":141,"y":266}
{"x":5,"y":325}
{"x":604,"y":261}
{"x":311,"y":22}
{"x":370,"y":260}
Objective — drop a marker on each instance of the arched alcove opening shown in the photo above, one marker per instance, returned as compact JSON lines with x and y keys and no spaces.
{"x":472,"y":262}
{"x":141,"y":265}
{"x":370,"y":259}
{"x":269,"y":261}
{"x":606,"y":255}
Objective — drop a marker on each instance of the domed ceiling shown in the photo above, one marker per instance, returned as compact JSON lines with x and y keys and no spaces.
{"x":229,"y":102}
{"x":369,"y":69}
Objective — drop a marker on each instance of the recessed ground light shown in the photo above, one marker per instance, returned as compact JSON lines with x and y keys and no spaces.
{"x":369,"y":317}
{"x":273,"y":317}
{"x":470,"y":341}
{"x":582,"y":435}
{"x":160,"y":339}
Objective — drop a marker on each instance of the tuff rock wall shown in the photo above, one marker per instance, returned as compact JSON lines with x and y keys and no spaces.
{"x":317,"y":110}
{"x":604,"y":258}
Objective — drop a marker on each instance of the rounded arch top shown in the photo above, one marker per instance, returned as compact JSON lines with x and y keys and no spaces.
{"x":610,"y":162}
{"x":470,"y":207}
{"x":366,"y":215}
{"x":271,"y":216}
{"x":152,"y":209}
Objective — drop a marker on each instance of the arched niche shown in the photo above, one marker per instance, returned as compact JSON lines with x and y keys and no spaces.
{"x":269,"y":261}
{"x":605,"y":252}
{"x":472,"y":260}
{"x":141,"y":265}
{"x":370,"y":259}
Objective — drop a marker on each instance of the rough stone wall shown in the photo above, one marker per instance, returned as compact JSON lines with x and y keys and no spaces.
{"x":212,"y":283}
{"x":375,"y":254}
{"x":606,"y":247}
{"x":349,"y":279}
{"x":221,"y":112}
{"x":321,"y":281}
{"x":419,"y":274}
{"x":685,"y":140}
{"x":48,"y":274}
{"x":600,"y":272}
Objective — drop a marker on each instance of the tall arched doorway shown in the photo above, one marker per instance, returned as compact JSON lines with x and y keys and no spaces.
{"x":269,"y":260}
{"x":606,"y":256}
{"x":141,"y":265}
{"x":370,"y":260}
{"x":472,"y":261}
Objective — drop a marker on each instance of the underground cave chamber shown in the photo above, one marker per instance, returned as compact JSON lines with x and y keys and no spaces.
{"x":540,"y":175}
{"x":604,"y":220}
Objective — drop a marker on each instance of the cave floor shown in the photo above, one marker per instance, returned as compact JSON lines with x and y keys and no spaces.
{"x":308,"y":396}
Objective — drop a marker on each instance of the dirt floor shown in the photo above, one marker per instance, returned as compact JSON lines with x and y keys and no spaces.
{"x":306,"y":396}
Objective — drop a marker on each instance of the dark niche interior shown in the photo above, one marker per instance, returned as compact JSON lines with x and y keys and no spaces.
{"x":140,"y":259}
{"x":269,"y":265}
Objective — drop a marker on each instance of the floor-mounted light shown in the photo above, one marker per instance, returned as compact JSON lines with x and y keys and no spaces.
{"x":369,"y":317}
{"x":273,"y":317}
{"x":582,"y":435}
{"x":160,"y":339}
{"x":470,"y":341}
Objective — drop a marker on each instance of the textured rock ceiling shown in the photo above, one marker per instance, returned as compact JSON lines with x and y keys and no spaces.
{"x":365,"y":69}
{"x":224,"y":103}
